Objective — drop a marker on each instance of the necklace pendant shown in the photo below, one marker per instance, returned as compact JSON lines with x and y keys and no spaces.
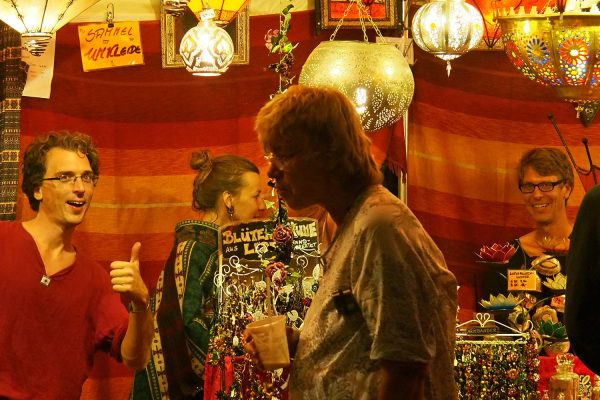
{"x":45,"y":280}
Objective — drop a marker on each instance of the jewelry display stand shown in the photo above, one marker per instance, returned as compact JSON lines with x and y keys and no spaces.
{"x":494,"y":365}
{"x":252,"y":284}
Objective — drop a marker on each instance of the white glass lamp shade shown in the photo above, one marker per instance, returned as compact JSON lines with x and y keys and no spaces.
{"x":206,"y":49}
{"x":37,"y":20}
{"x":447,"y":28}
{"x":375,"y":77}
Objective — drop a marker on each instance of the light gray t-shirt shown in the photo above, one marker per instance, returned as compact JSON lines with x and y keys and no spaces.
{"x":404,"y":301}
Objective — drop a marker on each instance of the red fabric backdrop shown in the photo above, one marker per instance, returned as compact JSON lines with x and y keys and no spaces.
{"x":466,"y":133}
{"x":146,"y":121}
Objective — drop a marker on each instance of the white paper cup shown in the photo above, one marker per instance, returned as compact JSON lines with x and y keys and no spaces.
{"x":270,"y":341}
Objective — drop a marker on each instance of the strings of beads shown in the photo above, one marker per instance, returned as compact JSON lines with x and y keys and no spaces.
{"x":497,"y":370}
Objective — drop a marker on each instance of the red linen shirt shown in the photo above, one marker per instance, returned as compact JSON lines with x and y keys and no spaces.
{"x":48,"y":334}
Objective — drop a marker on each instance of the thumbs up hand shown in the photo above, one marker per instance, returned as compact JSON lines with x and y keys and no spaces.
{"x":126,"y":279}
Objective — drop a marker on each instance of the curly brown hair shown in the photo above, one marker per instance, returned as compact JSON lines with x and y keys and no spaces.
{"x":34,"y":159}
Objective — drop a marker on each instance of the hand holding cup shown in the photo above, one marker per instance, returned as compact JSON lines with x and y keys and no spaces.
{"x":266,"y":342}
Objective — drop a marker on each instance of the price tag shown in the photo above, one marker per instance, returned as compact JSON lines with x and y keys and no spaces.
{"x":558,"y":302}
{"x":522,"y":279}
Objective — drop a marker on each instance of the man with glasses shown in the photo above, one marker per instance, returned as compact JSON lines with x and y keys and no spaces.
{"x":546,"y":181}
{"x":58,"y":306}
{"x":381,"y":325}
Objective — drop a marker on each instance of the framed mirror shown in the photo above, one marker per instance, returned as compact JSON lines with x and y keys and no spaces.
{"x":173,"y":28}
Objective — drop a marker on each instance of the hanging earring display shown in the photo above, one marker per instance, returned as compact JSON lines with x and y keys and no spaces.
{"x":230,"y":212}
{"x":268,"y":267}
{"x":497,"y":369}
{"x":501,"y":369}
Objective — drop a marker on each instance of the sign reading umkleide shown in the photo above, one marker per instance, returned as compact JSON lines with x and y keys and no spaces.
{"x":103,"y":46}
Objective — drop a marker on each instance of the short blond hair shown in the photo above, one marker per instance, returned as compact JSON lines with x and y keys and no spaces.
{"x":322,"y":122}
{"x":547,"y":161}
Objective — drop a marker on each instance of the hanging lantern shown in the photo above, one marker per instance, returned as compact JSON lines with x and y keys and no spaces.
{"x":447,"y":29}
{"x":38,"y":20}
{"x":557,"y":50}
{"x":225,"y":10}
{"x":206,"y":49}
{"x":375,"y":76}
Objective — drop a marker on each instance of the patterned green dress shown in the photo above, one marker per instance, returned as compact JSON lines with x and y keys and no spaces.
{"x":183,"y":304}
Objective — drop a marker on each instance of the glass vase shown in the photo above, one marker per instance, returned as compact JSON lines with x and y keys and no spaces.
{"x":596,"y":388}
{"x":564,"y":384}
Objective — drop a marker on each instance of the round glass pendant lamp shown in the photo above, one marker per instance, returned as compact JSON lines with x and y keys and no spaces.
{"x":447,"y":28}
{"x":375,"y":76}
{"x":206,"y":49}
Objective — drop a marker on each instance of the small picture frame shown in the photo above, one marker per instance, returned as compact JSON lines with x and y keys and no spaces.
{"x":385,"y":13}
{"x":173,"y":28}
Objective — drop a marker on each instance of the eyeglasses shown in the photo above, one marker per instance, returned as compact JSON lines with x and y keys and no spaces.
{"x":543,"y":186}
{"x":281,"y":161}
{"x":70,"y":177}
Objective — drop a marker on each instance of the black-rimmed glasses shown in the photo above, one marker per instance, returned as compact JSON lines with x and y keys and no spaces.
{"x":69,"y":177}
{"x":543,"y":186}
{"x":281,"y":161}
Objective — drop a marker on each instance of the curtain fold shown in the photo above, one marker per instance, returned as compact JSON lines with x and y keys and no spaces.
{"x":13,"y":74}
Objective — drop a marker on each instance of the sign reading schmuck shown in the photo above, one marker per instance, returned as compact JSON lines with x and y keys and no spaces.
{"x":252,"y":241}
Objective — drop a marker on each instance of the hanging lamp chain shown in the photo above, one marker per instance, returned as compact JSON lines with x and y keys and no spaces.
{"x":362,"y":12}
{"x":207,"y":11}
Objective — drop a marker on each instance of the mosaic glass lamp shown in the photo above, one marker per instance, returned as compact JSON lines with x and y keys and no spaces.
{"x":561,"y":50}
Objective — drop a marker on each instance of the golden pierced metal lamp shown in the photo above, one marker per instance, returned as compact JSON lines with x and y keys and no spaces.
{"x":38,"y":20}
{"x":374,"y":76}
{"x":447,"y":29}
{"x":557,"y":50}
{"x":206,"y":49}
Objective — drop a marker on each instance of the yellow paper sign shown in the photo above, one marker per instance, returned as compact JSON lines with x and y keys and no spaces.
{"x":522,"y":279}
{"x":103,"y":46}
